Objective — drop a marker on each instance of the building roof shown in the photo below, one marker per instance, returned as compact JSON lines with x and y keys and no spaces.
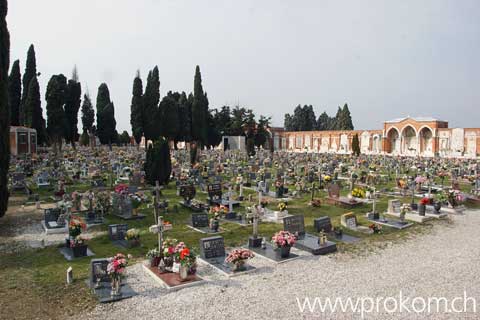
{"x":418,"y":119}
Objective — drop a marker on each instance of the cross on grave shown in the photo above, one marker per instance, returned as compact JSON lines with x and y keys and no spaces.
{"x":159,"y":228}
{"x":254,"y":240}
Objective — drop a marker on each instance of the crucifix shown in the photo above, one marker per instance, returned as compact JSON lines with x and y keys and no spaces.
{"x":254,"y":240}
{"x":156,"y":200}
{"x":374,"y":209}
{"x":159,"y":228}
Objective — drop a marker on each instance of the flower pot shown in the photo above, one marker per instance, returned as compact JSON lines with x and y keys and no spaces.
{"x":402,"y":216}
{"x":215,"y":225}
{"x":437,"y":206}
{"x":183,"y":272}
{"x":414,"y":206}
{"x":80,"y":251}
{"x":133,"y":243}
{"x":239,"y":266}
{"x":421,"y":209}
{"x":284,"y":252}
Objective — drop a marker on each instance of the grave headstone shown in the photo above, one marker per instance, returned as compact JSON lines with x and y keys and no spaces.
{"x":323,"y":223}
{"x":394,"y":206}
{"x":117,"y":231}
{"x":349,"y":220}
{"x":212,"y":247}
{"x":294,"y":224}
{"x":200,"y":220}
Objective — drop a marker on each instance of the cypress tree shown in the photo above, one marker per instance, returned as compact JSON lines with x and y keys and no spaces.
{"x":158,"y":166}
{"x":136,"y":110}
{"x":346,"y":118}
{"x":15,"y":92}
{"x":4,"y":108}
{"x":106,"y":130}
{"x":356,"y":145}
{"x":185,"y":118}
{"x":34,"y":111}
{"x":72,"y":105}
{"x":30,"y":72}
{"x":199,"y":110}
{"x":167,"y":116}
{"x":151,"y":101}
{"x":323,"y":122}
{"x":103,"y":99}
{"x":56,"y":121}
{"x":88,"y":115}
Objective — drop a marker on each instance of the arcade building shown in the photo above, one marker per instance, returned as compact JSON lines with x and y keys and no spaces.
{"x":408,"y":136}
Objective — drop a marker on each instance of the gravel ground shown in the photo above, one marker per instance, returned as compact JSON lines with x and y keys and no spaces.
{"x":443,"y":263}
{"x":22,"y":228}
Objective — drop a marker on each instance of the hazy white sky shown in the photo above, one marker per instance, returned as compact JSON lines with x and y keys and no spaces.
{"x":387,"y":59}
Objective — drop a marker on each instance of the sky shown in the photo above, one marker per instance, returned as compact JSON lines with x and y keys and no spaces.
{"x":386,"y":59}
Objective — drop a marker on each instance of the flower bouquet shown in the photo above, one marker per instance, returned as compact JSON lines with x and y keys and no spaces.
{"x":376,"y":228}
{"x":116,"y":269}
{"x":188,"y":263}
{"x":358,"y":193}
{"x":133,"y":237}
{"x":154,"y":256}
{"x":76,"y":226}
{"x":282,"y":206}
{"x":283,"y":241}
{"x":238,"y":257}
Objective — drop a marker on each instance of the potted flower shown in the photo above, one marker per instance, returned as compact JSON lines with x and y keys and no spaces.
{"x":116,"y":269}
{"x":133,"y":238}
{"x":376,"y":228}
{"x":358,"y":193}
{"x":338,"y":231}
{"x":440,"y":198}
{"x":75,"y":227}
{"x":169,"y":252}
{"x":422,"y":206}
{"x":238,"y":257}
{"x":327,"y":179}
{"x":403,"y":211}
{"x":79,"y":246}
{"x":282,"y":206}
{"x":154,"y":257}
{"x":136,"y":203}
{"x":283,"y":241}
{"x":187,"y":262}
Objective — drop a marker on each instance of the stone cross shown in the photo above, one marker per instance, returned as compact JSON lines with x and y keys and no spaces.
{"x":374,"y":201}
{"x":256,"y":216}
{"x":159,"y":228}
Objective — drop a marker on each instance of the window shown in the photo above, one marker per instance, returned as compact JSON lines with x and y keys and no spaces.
{"x":33,"y":138}
{"x":22,"y":138}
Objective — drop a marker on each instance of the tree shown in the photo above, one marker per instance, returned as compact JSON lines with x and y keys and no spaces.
{"x":167,"y":116}
{"x":303,"y":119}
{"x":107,"y":132}
{"x":158,"y":166}
{"x":72,"y":105}
{"x":151,"y":99}
{"x":136,"y":109}
{"x":262,"y":134}
{"x":56,"y":121}
{"x":356,"y":145}
{"x":106,"y":124}
{"x":34,"y":112}
{"x":323,"y":122}
{"x":199,"y":110}
{"x":214,"y":137}
{"x":30,"y":72}
{"x":124,"y":138}
{"x":184,"y":118}
{"x":15,"y":93}
{"x":88,"y":114}
{"x":223,"y":120}
{"x":4,"y":108}
{"x":85,"y":138}
{"x":347,"y":123}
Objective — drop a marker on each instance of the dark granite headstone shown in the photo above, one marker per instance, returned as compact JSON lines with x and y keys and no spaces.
{"x":98,"y":271}
{"x":117,"y":231}
{"x":215,"y":191}
{"x":323,"y":223}
{"x":187,"y":191}
{"x":212,"y":247}
{"x":200,"y":220}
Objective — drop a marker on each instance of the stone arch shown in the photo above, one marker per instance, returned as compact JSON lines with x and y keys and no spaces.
{"x":376,"y":143}
{"x":409,"y":138}
{"x":393,"y":139}
{"x":425,"y":136}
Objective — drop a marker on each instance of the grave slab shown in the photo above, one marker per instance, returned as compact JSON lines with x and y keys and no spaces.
{"x":396,"y":224}
{"x":206,"y":230}
{"x":68,"y":253}
{"x":103,"y":293}
{"x":343,"y":238}
{"x":271,"y":254}
{"x":411,"y":216}
{"x":172,"y":281}
{"x":310,"y":244}
{"x":224,"y":268}
{"x":457,"y":210}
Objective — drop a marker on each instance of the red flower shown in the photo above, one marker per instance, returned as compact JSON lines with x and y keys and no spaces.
{"x":184,"y":253}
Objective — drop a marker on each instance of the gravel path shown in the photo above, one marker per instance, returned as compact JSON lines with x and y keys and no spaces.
{"x":443,"y":263}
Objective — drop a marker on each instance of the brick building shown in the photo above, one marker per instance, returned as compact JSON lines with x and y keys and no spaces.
{"x":406,"y":136}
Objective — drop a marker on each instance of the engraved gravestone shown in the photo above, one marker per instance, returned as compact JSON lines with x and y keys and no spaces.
{"x":117,"y":231}
{"x":394,"y":206}
{"x":98,"y":272}
{"x":187,"y":191}
{"x":212,"y":247}
{"x":200,"y":220}
{"x":294,"y":224}
{"x":215,"y":191}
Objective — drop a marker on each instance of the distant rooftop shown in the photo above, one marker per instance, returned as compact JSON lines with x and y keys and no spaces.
{"x":418,"y":119}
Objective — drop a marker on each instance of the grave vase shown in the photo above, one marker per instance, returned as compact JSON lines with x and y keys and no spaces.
{"x":284,"y":251}
{"x":421,"y":209}
{"x":116,"y":287}
{"x":183,"y":272}
{"x":80,"y":251}
{"x":239,"y":266}
{"x":437,"y":206}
